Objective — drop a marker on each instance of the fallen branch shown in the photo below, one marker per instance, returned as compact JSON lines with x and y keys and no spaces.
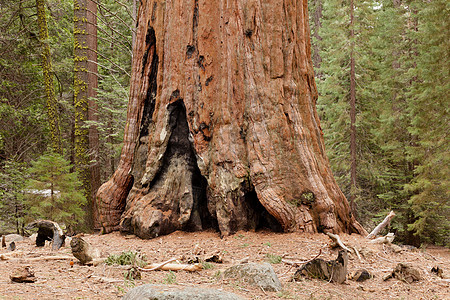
{"x":41,"y":258}
{"x":156,"y":267}
{"x":338,"y":241}
{"x":297,"y":263}
{"x":380,"y":226}
{"x":357,"y":253}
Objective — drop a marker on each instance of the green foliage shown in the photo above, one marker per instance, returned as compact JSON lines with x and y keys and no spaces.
{"x":273,"y":258}
{"x":402,"y":65}
{"x":428,"y":110}
{"x":207,"y":265}
{"x":127,"y":258}
{"x":53,"y":191}
{"x":171,"y":278}
{"x":12,"y":182}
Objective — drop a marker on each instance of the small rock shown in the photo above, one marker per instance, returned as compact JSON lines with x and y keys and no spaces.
{"x":13,"y":237}
{"x":261,"y":275}
{"x":23,"y":275}
{"x":396,"y":248}
{"x":165,"y":292}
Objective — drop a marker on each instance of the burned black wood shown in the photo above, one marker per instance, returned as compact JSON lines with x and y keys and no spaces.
{"x":48,"y":231}
{"x":333,"y":270}
{"x":361,"y":275}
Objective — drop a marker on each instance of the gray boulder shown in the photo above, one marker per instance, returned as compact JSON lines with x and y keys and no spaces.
{"x":166,"y":292}
{"x":13,"y":237}
{"x":260,"y":275}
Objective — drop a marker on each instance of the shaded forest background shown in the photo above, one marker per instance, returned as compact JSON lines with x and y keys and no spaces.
{"x":382,"y":70}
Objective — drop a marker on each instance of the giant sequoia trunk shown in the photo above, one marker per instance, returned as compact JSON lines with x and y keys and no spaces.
{"x":222,"y":129}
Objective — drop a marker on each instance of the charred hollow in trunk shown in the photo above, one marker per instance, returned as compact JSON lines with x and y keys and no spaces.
{"x":176,"y":198}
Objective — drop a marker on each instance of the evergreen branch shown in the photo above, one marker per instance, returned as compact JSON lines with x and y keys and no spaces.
{"x":118,"y":2}
{"x":123,"y":46}
{"x":114,"y":30}
{"x":116,"y":65}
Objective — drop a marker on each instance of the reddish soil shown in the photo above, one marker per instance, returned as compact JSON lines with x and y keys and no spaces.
{"x":57,"y":279}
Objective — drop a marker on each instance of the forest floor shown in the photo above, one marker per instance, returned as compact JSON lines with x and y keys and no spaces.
{"x":57,"y":279}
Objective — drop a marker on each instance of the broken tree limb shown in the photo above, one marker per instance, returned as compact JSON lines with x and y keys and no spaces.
{"x":48,"y":231}
{"x":338,"y":241}
{"x":380,"y":226}
{"x":297,"y":263}
{"x":357,"y":253}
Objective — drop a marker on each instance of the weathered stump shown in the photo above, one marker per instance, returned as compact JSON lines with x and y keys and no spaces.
{"x":333,"y":270}
{"x":84,"y":251}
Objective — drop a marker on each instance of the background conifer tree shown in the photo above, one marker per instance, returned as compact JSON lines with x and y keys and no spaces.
{"x":53,"y":192}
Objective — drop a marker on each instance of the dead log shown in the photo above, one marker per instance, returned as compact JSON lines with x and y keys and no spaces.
{"x":84,"y":252}
{"x":334,"y":270}
{"x":380,"y":226}
{"x":48,"y":231}
{"x":168,"y":266}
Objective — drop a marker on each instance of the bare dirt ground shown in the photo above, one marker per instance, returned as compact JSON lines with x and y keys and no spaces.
{"x":57,"y":279}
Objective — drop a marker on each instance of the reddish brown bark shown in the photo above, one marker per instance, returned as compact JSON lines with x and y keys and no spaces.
{"x":352,"y":113}
{"x":85,"y":91}
{"x":221,"y":127}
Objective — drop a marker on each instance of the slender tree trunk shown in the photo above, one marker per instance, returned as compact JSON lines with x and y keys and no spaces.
{"x":133,"y":25}
{"x":52,"y":103}
{"x":222,"y":129}
{"x":85,"y":85}
{"x":353,"y":159}
{"x":317,"y":16}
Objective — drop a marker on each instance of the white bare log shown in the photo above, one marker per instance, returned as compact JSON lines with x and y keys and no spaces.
{"x":380,"y":226}
{"x":387,"y":239}
{"x":166,"y":266}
